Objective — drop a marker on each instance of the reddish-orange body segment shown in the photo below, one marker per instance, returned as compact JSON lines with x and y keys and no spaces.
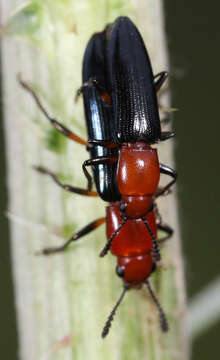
{"x":132,"y":244}
{"x":133,"y":238}
{"x":137,"y":268}
{"x":138,"y":176}
{"x":138,"y":171}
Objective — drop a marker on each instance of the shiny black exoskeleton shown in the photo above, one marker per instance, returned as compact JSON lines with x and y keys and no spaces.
{"x":98,"y":113}
{"x":133,"y":93}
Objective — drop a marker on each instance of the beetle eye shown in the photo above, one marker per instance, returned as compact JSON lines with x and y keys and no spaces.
{"x":120,"y":271}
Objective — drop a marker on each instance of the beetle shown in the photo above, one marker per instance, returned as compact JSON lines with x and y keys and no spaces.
{"x":121,"y":110}
{"x":135,"y":123}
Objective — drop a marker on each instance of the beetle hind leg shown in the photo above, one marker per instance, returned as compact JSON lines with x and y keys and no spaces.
{"x":84,"y":231}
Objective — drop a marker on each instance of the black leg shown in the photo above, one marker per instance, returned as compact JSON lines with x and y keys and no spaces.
{"x":167,"y":230}
{"x":85,"y":230}
{"x":101,"y":91}
{"x":94,"y":162}
{"x":159,"y":189}
{"x":90,"y":83}
{"x":160,"y":79}
{"x":66,"y":187}
{"x":106,"y":144}
{"x":167,"y":171}
{"x":62,"y":129}
{"x":162,"y":226}
{"x":158,"y":216}
{"x":76,"y":190}
{"x":165,"y":135}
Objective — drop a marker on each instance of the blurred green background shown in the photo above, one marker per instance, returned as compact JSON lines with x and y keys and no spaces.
{"x":193,"y":40}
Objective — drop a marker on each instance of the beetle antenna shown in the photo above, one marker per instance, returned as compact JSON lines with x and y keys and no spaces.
{"x":108,"y":323}
{"x":162,"y":316}
{"x":109,"y":241}
{"x":155,"y":249}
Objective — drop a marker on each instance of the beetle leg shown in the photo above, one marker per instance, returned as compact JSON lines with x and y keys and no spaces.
{"x":66,"y":187}
{"x":158,"y":216}
{"x":61,"y":128}
{"x":159,"y":189}
{"x":167,"y":230}
{"x":103,"y":143}
{"x":165,"y":135}
{"x":167,"y":171}
{"x":162,"y":226}
{"x":159,"y":79}
{"x":84,"y":231}
{"x":106,"y":97}
{"x":94,"y":162}
{"x":86,"y":84}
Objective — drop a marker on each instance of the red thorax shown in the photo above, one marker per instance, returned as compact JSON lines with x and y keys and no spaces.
{"x":138,"y":175}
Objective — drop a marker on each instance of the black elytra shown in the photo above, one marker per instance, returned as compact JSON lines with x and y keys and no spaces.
{"x":116,"y":64}
{"x":134,"y":100}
